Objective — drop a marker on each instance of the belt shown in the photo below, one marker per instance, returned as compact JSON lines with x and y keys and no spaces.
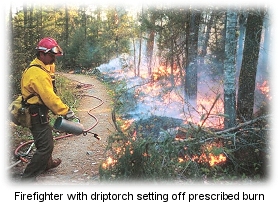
{"x":38,"y":113}
{"x":36,"y":108}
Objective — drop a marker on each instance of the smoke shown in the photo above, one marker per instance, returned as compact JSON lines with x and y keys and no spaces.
{"x":162,"y":98}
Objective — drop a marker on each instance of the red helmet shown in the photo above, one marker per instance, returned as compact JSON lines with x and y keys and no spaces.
{"x":49,"y":45}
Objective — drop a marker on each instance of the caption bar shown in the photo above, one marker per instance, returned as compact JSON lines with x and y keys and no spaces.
{"x":150,"y":196}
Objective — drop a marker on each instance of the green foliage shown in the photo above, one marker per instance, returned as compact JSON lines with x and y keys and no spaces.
{"x":135,"y":158}
{"x":140,"y":160}
{"x":66,"y":91}
{"x":86,"y":39}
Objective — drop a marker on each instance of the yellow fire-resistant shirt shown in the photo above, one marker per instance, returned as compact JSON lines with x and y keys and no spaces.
{"x":52,"y":70}
{"x":39,"y":82}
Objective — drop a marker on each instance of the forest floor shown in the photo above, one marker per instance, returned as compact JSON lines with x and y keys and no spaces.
{"x":82,"y":155}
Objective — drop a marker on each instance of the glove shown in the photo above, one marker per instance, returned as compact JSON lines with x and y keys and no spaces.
{"x":69,"y":115}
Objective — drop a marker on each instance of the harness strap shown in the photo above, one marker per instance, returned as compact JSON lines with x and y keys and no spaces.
{"x":28,"y":97}
{"x":38,"y":65}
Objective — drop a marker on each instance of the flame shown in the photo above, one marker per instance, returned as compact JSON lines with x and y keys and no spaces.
{"x":214,"y":119}
{"x":109,"y":162}
{"x":207,"y":155}
{"x":160,"y":72}
{"x":152,"y":95}
{"x":118,"y":151}
{"x":214,"y":159}
{"x":203,"y":105}
{"x":126,"y":124}
{"x":264,"y":88}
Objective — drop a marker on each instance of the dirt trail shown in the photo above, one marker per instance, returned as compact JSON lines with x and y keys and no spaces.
{"x":81,"y":155}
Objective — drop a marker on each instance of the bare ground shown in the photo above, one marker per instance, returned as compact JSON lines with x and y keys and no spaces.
{"x":82,"y":155}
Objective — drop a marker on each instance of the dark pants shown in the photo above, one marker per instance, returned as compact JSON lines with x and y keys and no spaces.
{"x":43,"y":139}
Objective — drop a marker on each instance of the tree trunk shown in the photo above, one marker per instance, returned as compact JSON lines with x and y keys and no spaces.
{"x":150,"y":44}
{"x":139,"y":55}
{"x":134,"y":56}
{"x":241,"y":22}
{"x":209,"y":25}
{"x":191,"y":67}
{"x":247,"y":78}
{"x":66,"y":26}
{"x":230,"y":70}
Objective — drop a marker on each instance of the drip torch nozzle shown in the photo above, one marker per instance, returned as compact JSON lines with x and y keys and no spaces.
{"x":96,"y":136}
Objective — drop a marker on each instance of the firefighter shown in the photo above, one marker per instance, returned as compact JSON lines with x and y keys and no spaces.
{"x":37,"y":80}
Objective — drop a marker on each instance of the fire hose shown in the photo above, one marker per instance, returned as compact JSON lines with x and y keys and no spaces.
{"x":69,"y":127}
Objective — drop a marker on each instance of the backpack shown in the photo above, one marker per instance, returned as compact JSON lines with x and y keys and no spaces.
{"x":19,"y":108}
{"x":19,"y":111}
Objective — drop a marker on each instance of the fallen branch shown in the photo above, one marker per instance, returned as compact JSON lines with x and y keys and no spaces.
{"x":219,"y":133}
{"x":242,"y":125}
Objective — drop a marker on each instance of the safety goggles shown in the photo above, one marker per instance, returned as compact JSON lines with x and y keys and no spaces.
{"x":55,"y":50}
